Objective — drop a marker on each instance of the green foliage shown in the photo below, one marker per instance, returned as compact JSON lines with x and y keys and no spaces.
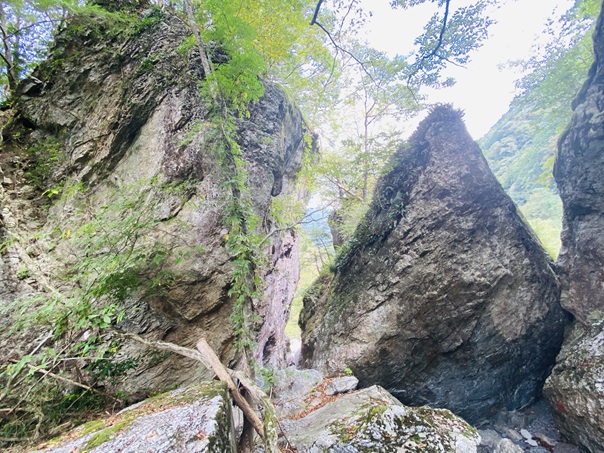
{"x":23,"y":273}
{"x":286,"y":211}
{"x":149,"y":22}
{"x":186,"y":45}
{"x":28,"y":27}
{"x":521,"y":147}
{"x":257,"y":36}
{"x":147,"y":65}
{"x":121,"y":5}
{"x":112,"y":256}
{"x":466,"y":29}
{"x":268,"y":379}
{"x":45,"y":157}
{"x":107,"y":370}
{"x":60,"y":404}
{"x":378,"y":97}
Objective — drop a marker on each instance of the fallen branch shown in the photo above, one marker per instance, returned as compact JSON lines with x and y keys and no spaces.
{"x":66,"y":380}
{"x":270,"y":418}
{"x":224,"y":375}
{"x":165,"y":346}
{"x":14,"y":439}
{"x":206,"y":355}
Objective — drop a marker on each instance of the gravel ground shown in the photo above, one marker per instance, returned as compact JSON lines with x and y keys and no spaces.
{"x":531,"y":430}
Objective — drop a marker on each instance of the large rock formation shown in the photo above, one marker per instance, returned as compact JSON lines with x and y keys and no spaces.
{"x":578,"y":174}
{"x":444,"y":295}
{"x":114,"y":124}
{"x":575,"y":389}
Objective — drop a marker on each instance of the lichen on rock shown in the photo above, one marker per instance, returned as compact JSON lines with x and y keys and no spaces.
{"x":195,"y":419}
{"x":371,"y":420}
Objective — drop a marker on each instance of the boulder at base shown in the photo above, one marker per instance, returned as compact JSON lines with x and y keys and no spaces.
{"x":575,"y":389}
{"x":197,"y":419}
{"x":372,"y":420}
{"x":444,"y":295}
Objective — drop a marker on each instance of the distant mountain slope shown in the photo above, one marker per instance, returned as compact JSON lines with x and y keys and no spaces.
{"x":521,"y":147}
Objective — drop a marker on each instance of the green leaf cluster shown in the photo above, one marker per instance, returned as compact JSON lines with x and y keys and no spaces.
{"x":114,"y":259}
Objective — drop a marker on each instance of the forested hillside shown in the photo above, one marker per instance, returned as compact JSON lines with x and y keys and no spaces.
{"x":521,"y":147}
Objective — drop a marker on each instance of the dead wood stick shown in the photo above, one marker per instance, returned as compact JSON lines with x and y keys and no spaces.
{"x":206,"y":355}
{"x":165,"y":346}
{"x":14,"y":439}
{"x":67,"y":380}
{"x":270,"y":418}
{"x":223,"y":374}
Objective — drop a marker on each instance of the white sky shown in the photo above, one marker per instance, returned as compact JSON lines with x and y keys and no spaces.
{"x":483,"y":90}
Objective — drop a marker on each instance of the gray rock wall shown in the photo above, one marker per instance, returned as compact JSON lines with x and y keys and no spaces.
{"x":578,"y":173}
{"x":575,"y":390}
{"x":130,"y":121}
{"x":444,"y":295}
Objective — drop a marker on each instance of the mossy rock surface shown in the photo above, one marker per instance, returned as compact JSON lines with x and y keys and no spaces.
{"x":193,"y":419}
{"x":372,"y":420}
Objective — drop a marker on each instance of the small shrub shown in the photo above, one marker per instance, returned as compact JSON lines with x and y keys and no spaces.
{"x":45,"y":158}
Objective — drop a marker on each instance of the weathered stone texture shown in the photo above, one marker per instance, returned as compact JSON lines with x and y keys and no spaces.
{"x":575,"y":390}
{"x":578,"y":172}
{"x":444,"y":295}
{"x":372,"y":420}
{"x":197,"y":419}
{"x":130,"y":115}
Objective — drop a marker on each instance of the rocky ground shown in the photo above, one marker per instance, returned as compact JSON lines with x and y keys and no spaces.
{"x":531,"y":430}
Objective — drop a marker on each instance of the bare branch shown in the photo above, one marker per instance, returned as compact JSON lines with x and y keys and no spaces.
{"x":289,"y":227}
{"x":442,"y":32}
{"x":341,"y":49}
{"x":35,"y":24}
{"x":68,"y":381}
{"x":316,"y":14}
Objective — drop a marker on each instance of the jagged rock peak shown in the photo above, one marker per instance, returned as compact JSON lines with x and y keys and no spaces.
{"x":444,"y":295}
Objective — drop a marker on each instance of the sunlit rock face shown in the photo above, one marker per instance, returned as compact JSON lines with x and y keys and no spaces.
{"x":575,"y":389}
{"x":125,"y":113}
{"x":444,"y":296}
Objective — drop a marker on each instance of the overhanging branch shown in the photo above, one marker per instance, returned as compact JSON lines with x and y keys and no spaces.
{"x":316,"y":14}
{"x":439,"y":43}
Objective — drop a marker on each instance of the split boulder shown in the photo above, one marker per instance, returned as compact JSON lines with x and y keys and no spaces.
{"x":444,"y":295}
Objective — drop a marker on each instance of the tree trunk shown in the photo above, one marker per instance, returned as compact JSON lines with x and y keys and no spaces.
{"x":205,"y":60}
{"x":7,"y":54}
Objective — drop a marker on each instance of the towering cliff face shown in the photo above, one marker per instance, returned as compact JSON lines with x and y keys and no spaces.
{"x":575,"y":390}
{"x":114,"y":125}
{"x":578,"y":173}
{"x":443,"y":296}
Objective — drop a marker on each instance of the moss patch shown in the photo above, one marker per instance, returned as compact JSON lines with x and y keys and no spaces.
{"x":105,"y":429}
